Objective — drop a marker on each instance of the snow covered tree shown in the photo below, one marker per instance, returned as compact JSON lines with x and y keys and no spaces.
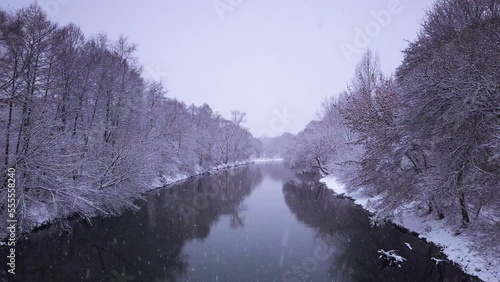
{"x":276,"y":146}
{"x":312,"y":148}
{"x":371,"y":102}
{"x":85,"y":132}
{"x":449,"y":83}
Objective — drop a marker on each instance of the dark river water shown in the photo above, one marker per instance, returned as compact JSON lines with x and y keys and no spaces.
{"x":254,"y":223}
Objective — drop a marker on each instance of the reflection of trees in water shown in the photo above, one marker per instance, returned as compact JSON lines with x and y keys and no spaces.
{"x":146,"y":243}
{"x":236,"y":220}
{"x":336,"y":223}
{"x":277,"y":171}
{"x":347,"y":231}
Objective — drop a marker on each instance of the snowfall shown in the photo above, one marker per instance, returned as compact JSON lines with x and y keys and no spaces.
{"x":455,"y":247}
{"x":39,"y":213}
{"x":163,"y":181}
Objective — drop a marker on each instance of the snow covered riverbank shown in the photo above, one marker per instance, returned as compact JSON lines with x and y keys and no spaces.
{"x":459,"y":249}
{"x":163,"y":181}
{"x":43,"y":218}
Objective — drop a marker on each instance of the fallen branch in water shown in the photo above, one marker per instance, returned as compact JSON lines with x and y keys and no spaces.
{"x":392,"y":257}
{"x":437,"y":261}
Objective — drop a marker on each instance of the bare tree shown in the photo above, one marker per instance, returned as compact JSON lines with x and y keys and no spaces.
{"x":86,"y":133}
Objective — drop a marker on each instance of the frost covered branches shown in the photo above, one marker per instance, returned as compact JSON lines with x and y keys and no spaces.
{"x":449,"y":83}
{"x":85,"y":132}
{"x":314,"y":147}
{"x":429,"y":137}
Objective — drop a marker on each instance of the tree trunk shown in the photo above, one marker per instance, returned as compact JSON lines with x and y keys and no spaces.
{"x":7,"y":137}
{"x":320,"y":167}
{"x":463,"y":208}
{"x":430,"y":208}
{"x":11,"y":109}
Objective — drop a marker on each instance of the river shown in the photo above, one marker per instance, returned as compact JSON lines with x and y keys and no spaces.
{"x":259,"y":222}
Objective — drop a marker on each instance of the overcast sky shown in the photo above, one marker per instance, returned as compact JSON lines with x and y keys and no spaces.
{"x":276,"y":60}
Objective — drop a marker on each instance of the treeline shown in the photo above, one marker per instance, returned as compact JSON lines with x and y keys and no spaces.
{"x":273,"y":147}
{"x":429,"y":137}
{"x":85,"y":132}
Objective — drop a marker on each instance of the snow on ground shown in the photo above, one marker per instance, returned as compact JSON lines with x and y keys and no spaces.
{"x":358,"y":196}
{"x":41,"y":216}
{"x":265,"y":160}
{"x":456,"y":247}
{"x":162,"y":181}
{"x":335,"y":185}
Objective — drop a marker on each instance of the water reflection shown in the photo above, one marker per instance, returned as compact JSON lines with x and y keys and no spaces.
{"x":145,"y":245}
{"x":253,"y":223}
{"x":354,"y":242}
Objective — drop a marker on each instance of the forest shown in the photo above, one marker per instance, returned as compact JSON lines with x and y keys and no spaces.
{"x":86,"y":133}
{"x":428,"y":137}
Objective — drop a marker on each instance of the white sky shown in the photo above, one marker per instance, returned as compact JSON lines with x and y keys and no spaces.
{"x":262,"y":57}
